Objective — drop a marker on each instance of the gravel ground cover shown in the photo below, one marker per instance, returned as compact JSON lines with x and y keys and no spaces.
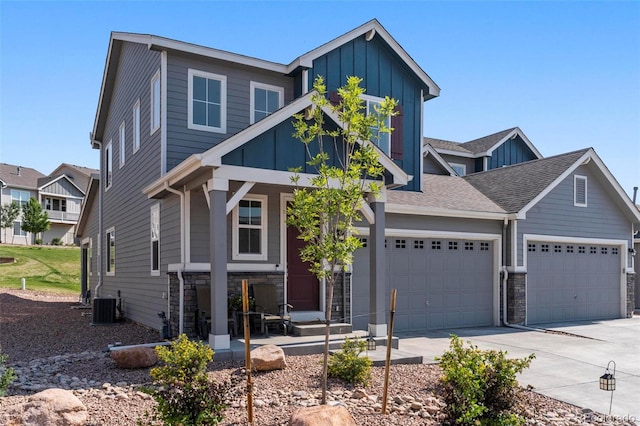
{"x":52,"y":344}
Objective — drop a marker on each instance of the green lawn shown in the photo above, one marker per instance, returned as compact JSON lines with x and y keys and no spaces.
{"x":53,"y":269}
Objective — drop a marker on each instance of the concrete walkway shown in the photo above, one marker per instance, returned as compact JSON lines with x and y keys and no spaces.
{"x":569,"y":359}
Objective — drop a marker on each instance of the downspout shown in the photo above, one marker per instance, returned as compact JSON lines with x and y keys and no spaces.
{"x":182,"y":262}
{"x":505,"y":277}
{"x":100,"y":225}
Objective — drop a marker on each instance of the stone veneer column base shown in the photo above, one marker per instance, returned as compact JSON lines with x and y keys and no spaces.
{"x":516,"y":299}
{"x":631,"y":295}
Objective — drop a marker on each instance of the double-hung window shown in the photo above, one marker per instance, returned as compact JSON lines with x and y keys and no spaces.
{"x":207,"y":108}
{"x":265,"y":99}
{"x":111,"y":251}
{"x":249,"y":241}
{"x":108,"y":165}
{"x":20,"y":197}
{"x":381,"y":139}
{"x":155,"y":239}
{"x":155,"y":102}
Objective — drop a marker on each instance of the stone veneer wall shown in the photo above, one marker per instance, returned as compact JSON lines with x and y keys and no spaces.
{"x":516,"y":298}
{"x":631,"y":298}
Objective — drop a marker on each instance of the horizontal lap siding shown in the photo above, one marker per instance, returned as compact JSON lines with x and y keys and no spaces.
{"x":182,"y":141}
{"x":383,"y":75}
{"x":469,"y":163}
{"x":555,"y":215}
{"x":434,"y":223}
{"x":125,"y":207}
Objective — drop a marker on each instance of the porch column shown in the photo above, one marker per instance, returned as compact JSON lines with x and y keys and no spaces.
{"x":219,"y":334}
{"x":377,"y":278}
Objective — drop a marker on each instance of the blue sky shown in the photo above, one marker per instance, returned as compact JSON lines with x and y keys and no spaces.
{"x":566,"y":73}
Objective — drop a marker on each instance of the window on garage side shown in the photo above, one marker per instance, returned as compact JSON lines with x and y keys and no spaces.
{"x":484,"y":246}
{"x":580,"y":191}
{"x":111,"y":251}
{"x":249,"y":239}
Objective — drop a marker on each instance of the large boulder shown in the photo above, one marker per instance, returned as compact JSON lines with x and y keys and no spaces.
{"x":51,"y":407}
{"x":138,"y":357}
{"x":267,"y":358}
{"x":322,"y":415}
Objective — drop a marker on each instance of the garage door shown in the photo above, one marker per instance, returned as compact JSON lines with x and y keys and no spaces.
{"x":571,"y":282}
{"x":441,"y":283}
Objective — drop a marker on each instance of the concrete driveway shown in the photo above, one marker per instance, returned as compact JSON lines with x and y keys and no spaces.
{"x":569,"y":359}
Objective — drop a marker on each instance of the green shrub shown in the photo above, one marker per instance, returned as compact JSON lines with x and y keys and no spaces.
{"x":348,"y":365}
{"x":6,"y":374}
{"x":480,"y":386}
{"x":38,"y":241}
{"x":185,"y":395}
{"x":56,"y":241}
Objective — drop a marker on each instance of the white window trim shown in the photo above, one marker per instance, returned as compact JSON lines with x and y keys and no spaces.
{"x":376,"y":99}
{"x":236,"y":255}
{"x":155,"y":104}
{"x":111,"y":231}
{"x":575,"y":187}
{"x":108,"y":151}
{"x":155,"y":209}
{"x":256,"y":85}
{"x":462,"y":166}
{"x":122,"y":138}
{"x":223,"y":101}
{"x":136,"y":126}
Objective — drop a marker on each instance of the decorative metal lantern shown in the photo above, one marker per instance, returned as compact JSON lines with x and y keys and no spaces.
{"x":371,"y":343}
{"x":608,"y":379}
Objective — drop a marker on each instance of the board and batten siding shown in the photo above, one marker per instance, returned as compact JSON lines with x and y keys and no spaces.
{"x":383,"y":75}
{"x":512,"y":151}
{"x":555,"y":214}
{"x":182,"y":141}
{"x":125,"y":207}
{"x":63,"y":188}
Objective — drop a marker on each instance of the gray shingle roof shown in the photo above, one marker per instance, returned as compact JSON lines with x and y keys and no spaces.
{"x":445,"y":192}
{"x":443,"y":144}
{"x":513,"y":187}
{"x":28,"y":177}
{"x":483,"y":144}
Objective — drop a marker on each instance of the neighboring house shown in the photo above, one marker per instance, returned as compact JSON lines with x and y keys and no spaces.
{"x":60,"y":195}
{"x":195,"y":146}
{"x":17,"y":184}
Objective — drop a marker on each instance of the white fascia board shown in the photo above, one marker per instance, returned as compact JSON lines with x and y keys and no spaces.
{"x":162,"y":43}
{"x":515,"y":131}
{"x":182,"y":170}
{"x":522,"y":214}
{"x":635,"y":213}
{"x":428,"y":149}
{"x":307,"y":59}
{"x":433,"y":211}
{"x":57,"y":179}
{"x":456,"y":153}
{"x":105,"y":72}
{"x":213,"y":157}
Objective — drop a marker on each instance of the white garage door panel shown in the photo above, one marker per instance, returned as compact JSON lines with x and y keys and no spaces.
{"x":441,"y":283}
{"x":572,"y":282}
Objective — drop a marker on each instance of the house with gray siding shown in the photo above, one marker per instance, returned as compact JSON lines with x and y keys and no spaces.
{"x":196,"y":146}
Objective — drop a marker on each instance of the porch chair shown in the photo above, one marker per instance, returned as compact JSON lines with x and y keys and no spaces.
{"x":270,"y":311}
{"x":203,"y":314}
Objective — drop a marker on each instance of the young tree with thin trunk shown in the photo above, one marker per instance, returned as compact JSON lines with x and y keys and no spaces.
{"x":8,"y":214}
{"x":34,"y":218}
{"x":347,"y":169}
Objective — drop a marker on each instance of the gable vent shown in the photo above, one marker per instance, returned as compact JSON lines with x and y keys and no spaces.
{"x":580,"y":191}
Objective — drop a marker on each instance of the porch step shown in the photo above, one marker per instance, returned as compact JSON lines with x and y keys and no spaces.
{"x":317,"y":328}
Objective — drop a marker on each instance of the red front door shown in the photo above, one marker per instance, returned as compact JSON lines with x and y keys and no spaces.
{"x":302,"y":286}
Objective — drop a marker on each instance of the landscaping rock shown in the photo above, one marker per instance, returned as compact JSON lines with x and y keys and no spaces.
{"x":51,"y":407}
{"x":322,"y":415}
{"x":267,"y":358}
{"x":139,"y":357}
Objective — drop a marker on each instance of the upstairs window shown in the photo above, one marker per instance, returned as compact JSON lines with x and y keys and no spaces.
{"x":265,"y":100}
{"x":108,"y":166}
{"x":207,"y":107}
{"x":250,"y":228}
{"x":155,"y":102}
{"x":580,"y":191}
{"x":136,"y":126}
{"x":20,"y":197}
{"x":121,"y":134}
{"x":383,"y":140}
{"x":460,"y":169}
